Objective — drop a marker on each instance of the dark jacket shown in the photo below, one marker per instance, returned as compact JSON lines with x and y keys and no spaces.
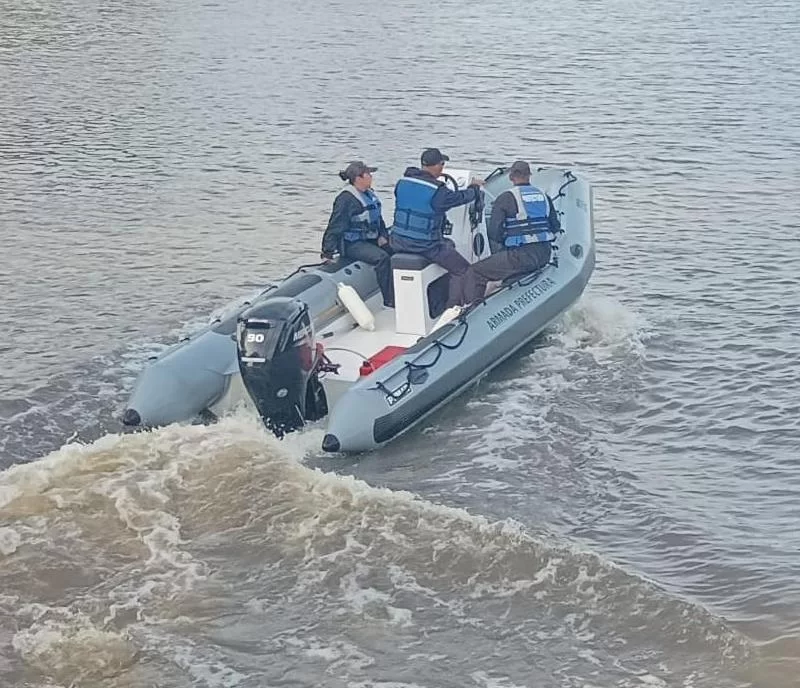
{"x":345,"y":206}
{"x":505,"y":206}
{"x":444,"y":199}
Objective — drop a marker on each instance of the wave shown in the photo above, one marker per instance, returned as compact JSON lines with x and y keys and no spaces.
{"x":116,"y":553}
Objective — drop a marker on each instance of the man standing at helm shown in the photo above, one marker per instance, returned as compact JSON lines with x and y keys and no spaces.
{"x":521,"y":229}
{"x":421,"y":201}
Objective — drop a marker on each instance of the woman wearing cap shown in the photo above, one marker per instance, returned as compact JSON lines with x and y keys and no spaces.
{"x":356,"y":228}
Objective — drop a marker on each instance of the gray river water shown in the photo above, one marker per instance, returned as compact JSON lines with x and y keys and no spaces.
{"x":617,"y":506}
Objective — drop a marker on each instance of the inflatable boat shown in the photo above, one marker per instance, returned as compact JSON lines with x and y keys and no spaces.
{"x":319,"y":346}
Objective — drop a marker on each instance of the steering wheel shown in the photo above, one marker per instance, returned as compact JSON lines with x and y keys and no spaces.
{"x":449,"y":180}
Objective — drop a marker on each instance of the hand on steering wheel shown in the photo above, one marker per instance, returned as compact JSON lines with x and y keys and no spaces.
{"x":449,"y":180}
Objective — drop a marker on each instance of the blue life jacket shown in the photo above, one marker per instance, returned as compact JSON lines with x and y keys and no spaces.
{"x":531,"y":224}
{"x":365,"y":225}
{"x":414,"y":217}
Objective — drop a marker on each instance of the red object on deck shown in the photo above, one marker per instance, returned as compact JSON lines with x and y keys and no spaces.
{"x":381,"y":358}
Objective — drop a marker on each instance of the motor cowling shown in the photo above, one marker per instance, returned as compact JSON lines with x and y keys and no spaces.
{"x":278,"y":362}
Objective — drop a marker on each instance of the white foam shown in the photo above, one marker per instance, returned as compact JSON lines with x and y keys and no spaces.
{"x":10,"y":540}
{"x":602,"y":326}
{"x":484,"y":679}
{"x":366,"y":599}
{"x":29,"y":479}
{"x":596,"y":332}
{"x":209,"y":671}
{"x":340,"y":655}
{"x":113,"y":454}
{"x":359,"y":597}
{"x":400,"y":616}
{"x":327,"y":654}
{"x":73,"y":650}
{"x":383,"y":684}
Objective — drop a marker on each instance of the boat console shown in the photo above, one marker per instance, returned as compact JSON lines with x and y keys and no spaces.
{"x":420,"y":286}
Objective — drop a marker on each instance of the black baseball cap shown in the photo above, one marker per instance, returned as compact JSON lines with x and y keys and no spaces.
{"x":432,"y":156}
{"x":356,"y":169}
{"x":519,"y":169}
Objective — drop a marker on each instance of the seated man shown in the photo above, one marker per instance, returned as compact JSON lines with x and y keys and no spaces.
{"x":521,"y":228}
{"x":421,"y":201}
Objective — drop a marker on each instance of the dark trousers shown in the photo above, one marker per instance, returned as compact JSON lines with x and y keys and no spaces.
{"x":502,"y":265}
{"x":380,"y":257}
{"x":442,"y":253}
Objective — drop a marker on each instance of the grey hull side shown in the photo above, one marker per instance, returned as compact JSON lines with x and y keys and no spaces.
{"x":184,"y":382}
{"x":399,"y":395}
{"x":367,"y":416}
{"x":194,"y":375}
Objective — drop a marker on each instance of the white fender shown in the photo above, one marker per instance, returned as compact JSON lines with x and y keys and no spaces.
{"x":358,"y":309}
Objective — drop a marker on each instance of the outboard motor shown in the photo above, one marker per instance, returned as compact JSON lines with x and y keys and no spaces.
{"x":279,"y":362}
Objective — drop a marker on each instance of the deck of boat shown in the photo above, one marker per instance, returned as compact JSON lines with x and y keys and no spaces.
{"x":349,"y":345}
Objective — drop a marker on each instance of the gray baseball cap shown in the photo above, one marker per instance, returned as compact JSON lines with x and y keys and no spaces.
{"x":519,"y":169}
{"x":356,"y":169}
{"x":432,"y":156}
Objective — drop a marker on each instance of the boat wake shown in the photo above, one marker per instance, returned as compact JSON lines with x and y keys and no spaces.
{"x":211,"y":555}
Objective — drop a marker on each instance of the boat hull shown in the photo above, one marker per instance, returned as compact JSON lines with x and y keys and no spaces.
{"x":395,"y":398}
{"x":200,"y":376}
